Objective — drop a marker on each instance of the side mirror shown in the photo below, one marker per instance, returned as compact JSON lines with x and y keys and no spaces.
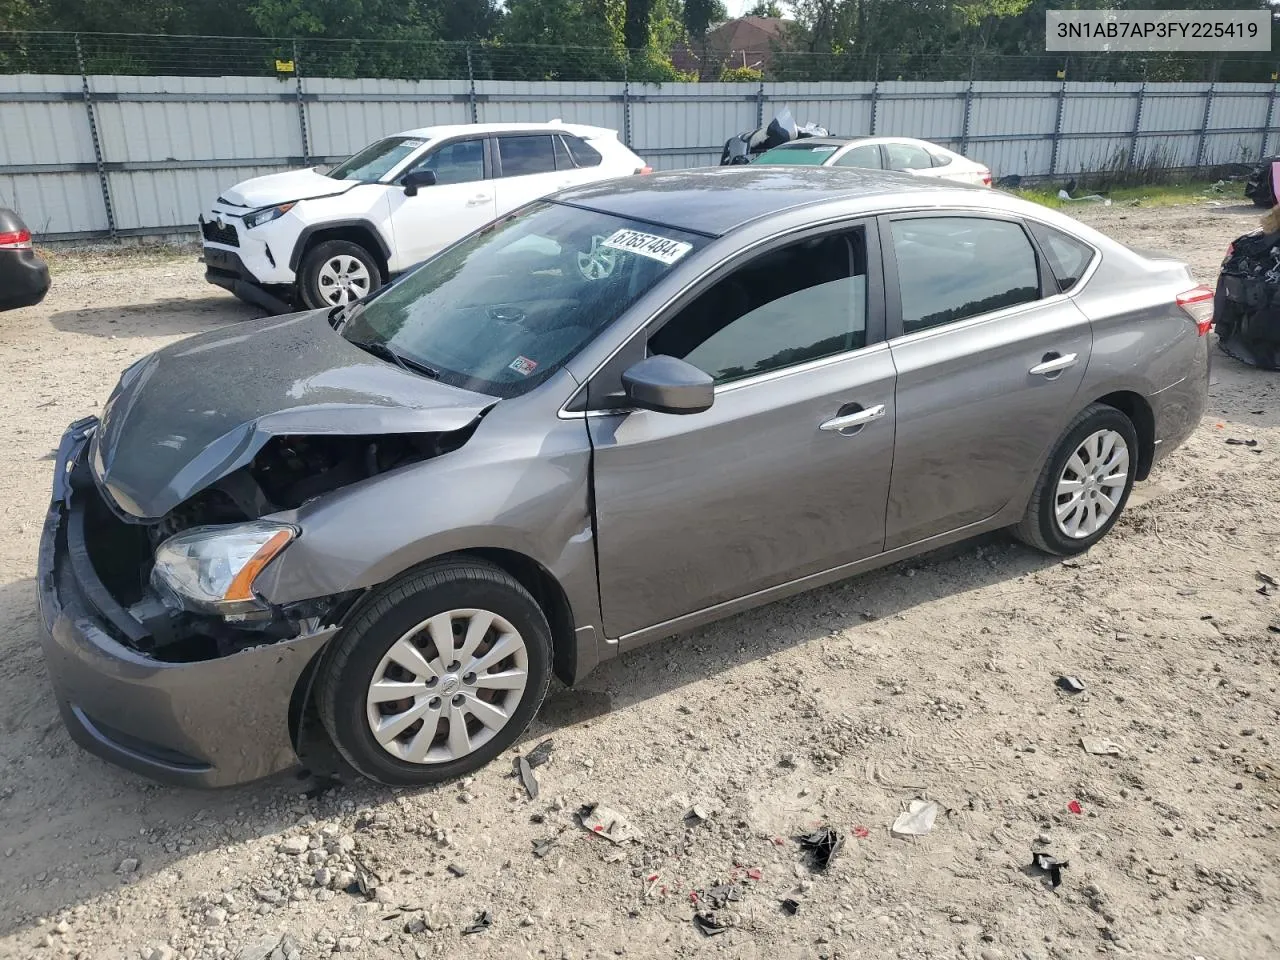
{"x":668,"y":385}
{"x":418,"y":178}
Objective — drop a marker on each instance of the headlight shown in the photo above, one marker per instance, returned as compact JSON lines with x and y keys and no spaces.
{"x":213,"y":568}
{"x":267,"y":214}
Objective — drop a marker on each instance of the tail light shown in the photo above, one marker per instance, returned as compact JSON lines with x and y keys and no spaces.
{"x":16,"y":240}
{"x":986,"y":177}
{"x":645,"y":169}
{"x":1197,"y":303}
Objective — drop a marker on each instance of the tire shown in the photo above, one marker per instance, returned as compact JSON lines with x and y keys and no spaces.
{"x":1041,"y":527}
{"x":327,"y":265}
{"x":361,"y":655}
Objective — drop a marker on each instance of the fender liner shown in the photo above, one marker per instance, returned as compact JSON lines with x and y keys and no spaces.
{"x":307,"y":233}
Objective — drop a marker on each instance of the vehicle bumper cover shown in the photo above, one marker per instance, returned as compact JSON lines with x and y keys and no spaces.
{"x":24,"y":279}
{"x":212,"y":723}
{"x":226,"y":269}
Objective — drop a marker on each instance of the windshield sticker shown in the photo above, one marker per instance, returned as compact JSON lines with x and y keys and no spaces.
{"x":523,"y":366}
{"x":662,"y":249}
{"x":412,"y":143}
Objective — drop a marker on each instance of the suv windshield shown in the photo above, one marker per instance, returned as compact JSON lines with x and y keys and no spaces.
{"x":505,"y":308}
{"x":376,"y":160}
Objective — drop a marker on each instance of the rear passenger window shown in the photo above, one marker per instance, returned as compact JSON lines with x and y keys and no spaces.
{"x":1067,"y":256}
{"x":939,"y":159}
{"x":951,"y":268}
{"x":584,"y":155}
{"x":805,"y":301}
{"x":867,"y":155}
{"x":563,"y":160}
{"x":522,"y":156}
{"x":907,"y":156}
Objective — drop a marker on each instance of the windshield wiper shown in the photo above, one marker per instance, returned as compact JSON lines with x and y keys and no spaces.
{"x":380,"y":349}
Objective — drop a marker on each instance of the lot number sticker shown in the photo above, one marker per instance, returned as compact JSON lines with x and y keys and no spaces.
{"x":662,"y":249}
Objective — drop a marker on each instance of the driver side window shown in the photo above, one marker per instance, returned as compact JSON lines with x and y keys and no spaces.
{"x":458,"y":162}
{"x":802,"y":302}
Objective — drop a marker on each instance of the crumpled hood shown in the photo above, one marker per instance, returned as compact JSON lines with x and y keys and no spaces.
{"x":187,"y":415}
{"x":284,"y":187}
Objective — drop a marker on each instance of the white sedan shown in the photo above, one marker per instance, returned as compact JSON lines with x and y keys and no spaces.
{"x":920,"y":157}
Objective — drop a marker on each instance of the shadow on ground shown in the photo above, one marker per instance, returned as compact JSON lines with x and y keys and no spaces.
{"x":70,"y":819}
{"x":171,"y":317}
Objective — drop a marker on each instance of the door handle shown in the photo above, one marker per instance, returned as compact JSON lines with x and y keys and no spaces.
{"x":853,"y":421}
{"x":1053,"y":363}
{"x":478,"y":199}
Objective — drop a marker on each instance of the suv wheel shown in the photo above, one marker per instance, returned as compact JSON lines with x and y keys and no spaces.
{"x":1085,"y":485}
{"x":335,"y":273}
{"x":439,"y":673}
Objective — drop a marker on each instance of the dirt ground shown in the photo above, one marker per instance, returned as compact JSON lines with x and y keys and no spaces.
{"x":933,"y":679}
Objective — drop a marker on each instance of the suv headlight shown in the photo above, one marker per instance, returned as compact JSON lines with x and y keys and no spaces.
{"x":267,"y":214}
{"x":213,"y":568}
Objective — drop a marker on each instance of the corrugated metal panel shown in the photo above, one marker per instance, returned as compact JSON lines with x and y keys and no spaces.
{"x":673,"y":126}
{"x":938,"y":117}
{"x":339,"y":129}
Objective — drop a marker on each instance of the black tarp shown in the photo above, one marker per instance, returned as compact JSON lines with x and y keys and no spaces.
{"x":1246,"y":304}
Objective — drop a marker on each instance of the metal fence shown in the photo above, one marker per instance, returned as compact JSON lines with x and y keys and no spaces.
{"x":86,"y":155}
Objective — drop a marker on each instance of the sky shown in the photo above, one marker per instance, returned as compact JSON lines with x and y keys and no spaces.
{"x":737,"y":7}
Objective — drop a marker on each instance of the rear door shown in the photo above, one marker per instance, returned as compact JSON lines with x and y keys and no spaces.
{"x":864,"y":155}
{"x":787,"y":474}
{"x":908,"y":158}
{"x":526,"y":165}
{"x":990,"y":357}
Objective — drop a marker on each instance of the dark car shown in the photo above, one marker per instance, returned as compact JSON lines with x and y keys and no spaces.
{"x":614,"y":415}
{"x":24,"y":277}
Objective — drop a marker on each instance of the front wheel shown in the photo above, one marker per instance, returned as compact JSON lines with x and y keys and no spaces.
{"x":335,"y":273}
{"x":439,"y":673}
{"x":1084,"y":485}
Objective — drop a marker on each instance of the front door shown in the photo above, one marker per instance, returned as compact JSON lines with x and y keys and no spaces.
{"x":787,"y":474}
{"x":989,"y":360}
{"x":462,"y":200}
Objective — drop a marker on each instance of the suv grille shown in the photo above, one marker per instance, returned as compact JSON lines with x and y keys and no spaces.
{"x":225,"y":235}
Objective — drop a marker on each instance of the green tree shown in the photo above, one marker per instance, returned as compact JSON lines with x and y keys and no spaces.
{"x":699,"y":15}
{"x":765,"y":8}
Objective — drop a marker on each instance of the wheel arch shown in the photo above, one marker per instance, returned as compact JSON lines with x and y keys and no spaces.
{"x":1138,"y":410}
{"x":362,"y":232}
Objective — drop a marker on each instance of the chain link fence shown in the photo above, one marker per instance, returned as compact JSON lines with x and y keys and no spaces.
{"x":145,"y":55}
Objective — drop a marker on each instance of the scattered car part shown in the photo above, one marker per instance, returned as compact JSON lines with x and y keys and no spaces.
{"x":608,"y":823}
{"x":24,"y":276}
{"x":1100,"y":746}
{"x":1070,"y":684}
{"x":823,"y":844}
{"x":1047,"y":864}
{"x":916,"y":820}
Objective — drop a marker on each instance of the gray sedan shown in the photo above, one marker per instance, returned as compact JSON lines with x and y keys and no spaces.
{"x":609,"y":417}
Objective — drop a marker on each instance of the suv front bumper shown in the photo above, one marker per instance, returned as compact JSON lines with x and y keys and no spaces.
{"x":210,"y":723}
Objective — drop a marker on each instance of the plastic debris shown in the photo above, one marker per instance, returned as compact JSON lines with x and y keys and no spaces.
{"x":824,"y":844}
{"x":539,"y":754}
{"x":1234,"y":442}
{"x":1047,"y":864}
{"x":527,"y":778}
{"x":1074,"y":807}
{"x":696,"y":814}
{"x":1093,"y":197}
{"x":483,"y":921}
{"x":709,"y":924}
{"x":1268,"y":579}
{"x":1070,"y":684}
{"x":791,"y":906}
{"x":916,"y":820}
{"x":542,"y":847}
{"x":1100,"y":746}
{"x":861,"y":832}
{"x":456,"y":870}
{"x":606,"y":822}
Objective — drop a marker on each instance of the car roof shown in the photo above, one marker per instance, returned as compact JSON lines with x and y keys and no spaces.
{"x":462,"y":129}
{"x":817,"y":142}
{"x":716,"y":200}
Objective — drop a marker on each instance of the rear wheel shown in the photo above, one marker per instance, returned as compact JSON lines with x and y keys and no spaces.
{"x":1085,"y":484}
{"x":335,"y":273}
{"x":439,"y":673}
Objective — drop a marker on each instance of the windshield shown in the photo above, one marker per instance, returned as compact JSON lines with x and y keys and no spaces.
{"x":501,"y":311}
{"x":796,"y":154}
{"x":376,"y":160}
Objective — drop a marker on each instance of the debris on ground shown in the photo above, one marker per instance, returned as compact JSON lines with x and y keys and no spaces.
{"x":456,"y":870}
{"x":710,"y":924}
{"x":823,"y":843}
{"x":1074,"y":807}
{"x":528,"y":779}
{"x":482,"y":922}
{"x":718,"y":897}
{"x":791,"y":906}
{"x":1092,"y":197}
{"x":861,"y":832}
{"x":540,"y":754}
{"x":1100,"y":746}
{"x":1047,"y":864}
{"x":542,"y":847}
{"x":696,"y":814}
{"x":1070,"y":684}
{"x":916,"y":820}
{"x":607,"y":822}
{"x":1268,"y":579}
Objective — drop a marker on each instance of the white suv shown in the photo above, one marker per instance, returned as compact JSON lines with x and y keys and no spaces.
{"x":312,"y":239}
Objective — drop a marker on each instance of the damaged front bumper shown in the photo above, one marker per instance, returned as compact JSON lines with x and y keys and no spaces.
{"x":209,"y":723}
